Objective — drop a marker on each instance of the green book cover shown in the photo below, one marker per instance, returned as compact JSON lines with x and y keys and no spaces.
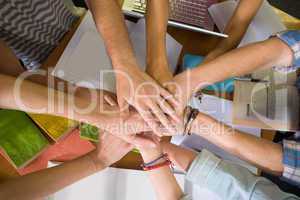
{"x":89,"y":132}
{"x":20,"y":138}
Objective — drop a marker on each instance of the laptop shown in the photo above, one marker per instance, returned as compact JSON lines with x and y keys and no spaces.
{"x":187,"y":14}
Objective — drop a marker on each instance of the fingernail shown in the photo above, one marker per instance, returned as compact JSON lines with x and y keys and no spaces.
{"x":153,"y":145}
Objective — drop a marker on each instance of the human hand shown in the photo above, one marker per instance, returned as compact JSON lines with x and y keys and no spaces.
{"x":159,"y":70}
{"x":106,"y":116}
{"x":110,"y":149}
{"x":150,"y":154}
{"x":183,"y":86}
{"x":181,"y":89}
{"x":147,"y":97}
{"x":130,"y":128}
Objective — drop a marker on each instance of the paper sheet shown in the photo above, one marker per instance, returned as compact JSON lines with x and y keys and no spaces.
{"x":265,"y":23}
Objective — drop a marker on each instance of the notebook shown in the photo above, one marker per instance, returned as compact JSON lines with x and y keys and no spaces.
{"x":55,"y":127}
{"x":68,"y":148}
{"x":20,"y":139}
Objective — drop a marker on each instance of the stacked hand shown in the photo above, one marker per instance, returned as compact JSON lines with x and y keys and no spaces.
{"x":154,"y":103}
{"x":110,"y":149}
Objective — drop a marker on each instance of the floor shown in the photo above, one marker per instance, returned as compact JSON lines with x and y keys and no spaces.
{"x":291,"y":7}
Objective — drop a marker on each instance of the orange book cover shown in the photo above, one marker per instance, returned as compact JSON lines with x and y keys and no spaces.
{"x":68,"y":148}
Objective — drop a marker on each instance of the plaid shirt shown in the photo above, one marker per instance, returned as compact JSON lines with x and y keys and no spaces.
{"x":291,"y":148}
{"x":292,"y":39}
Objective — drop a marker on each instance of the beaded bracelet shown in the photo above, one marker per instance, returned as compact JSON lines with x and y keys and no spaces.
{"x":151,"y":165}
{"x":166,"y":163}
{"x":163,"y":156}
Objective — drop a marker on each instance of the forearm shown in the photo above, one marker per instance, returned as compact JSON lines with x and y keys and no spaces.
{"x":46,"y":182}
{"x":35,"y":98}
{"x":246,"y":147}
{"x":163,"y":180}
{"x":235,"y":34}
{"x":245,"y":60}
{"x":111,"y":25}
{"x":156,"y":26}
{"x":236,"y":27}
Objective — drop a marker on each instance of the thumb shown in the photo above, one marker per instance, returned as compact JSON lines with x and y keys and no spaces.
{"x":123,"y":106}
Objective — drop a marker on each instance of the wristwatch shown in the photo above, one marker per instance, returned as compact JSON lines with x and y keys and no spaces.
{"x":190,"y":114}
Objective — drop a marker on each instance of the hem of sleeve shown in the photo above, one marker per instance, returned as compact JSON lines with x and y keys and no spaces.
{"x":186,"y":197}
{"x":202,"y":166}
{"x":286,"y":37}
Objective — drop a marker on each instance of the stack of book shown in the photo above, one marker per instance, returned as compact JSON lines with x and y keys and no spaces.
{"x":29,"y":141}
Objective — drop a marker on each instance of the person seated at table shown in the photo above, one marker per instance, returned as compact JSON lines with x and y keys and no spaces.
{"x":109,"y":150}
{"x":223,"y":179}
{"x":281,"y":52}
{"x":33,"y":29}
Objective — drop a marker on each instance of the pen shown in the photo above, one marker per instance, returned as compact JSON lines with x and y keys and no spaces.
{"x":250,"y":79}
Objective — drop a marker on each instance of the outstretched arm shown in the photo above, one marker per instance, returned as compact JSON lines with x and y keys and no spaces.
{"x":32,"y":186}
{"x":246,"y":147}
{"x":236,"y":27}
{"x":157,"y":20}
{"x":162,"y":179}
{"x":134,"y":87}
{"x":208,"y":171}
{"x":110,"y":23}
{"x":35,"y":98}
{"x":241,"y":61}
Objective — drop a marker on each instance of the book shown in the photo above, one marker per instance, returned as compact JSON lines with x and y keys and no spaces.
{"x":54,"y":126}
{"x":89,"y":132}
{"x":68,"y":148}
{"x":20,"y":139}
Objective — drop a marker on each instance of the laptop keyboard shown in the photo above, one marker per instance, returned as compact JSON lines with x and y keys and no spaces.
{"x":140,"y":6}
{"x":191,"y":12}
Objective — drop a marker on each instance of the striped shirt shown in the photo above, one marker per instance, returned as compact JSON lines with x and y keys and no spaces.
{"x":33,"y":28}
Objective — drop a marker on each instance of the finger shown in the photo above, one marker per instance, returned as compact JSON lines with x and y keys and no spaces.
{"x":171,"y":88}
{"x":169,"y":97}
{"x":162,"y":117}
{"x":137,"y":124}
{"x":124,"y":107}
{"x":140,"y":141}
{"x":149,"y":119}
{"x":168,"y":109}
{"x":154,"y":137}
{"x":110,"y":101}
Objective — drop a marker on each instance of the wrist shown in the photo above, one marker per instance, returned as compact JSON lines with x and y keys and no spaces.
{"x":97,"y":161}
{"x":96,"y":119}
{"x":150,"y":154}
{"x":126,"y":65}
{"x":159,"y":70}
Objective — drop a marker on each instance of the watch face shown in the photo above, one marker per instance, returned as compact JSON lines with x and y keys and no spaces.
{"x":187,"y":114}
{"x":194,"y":114}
